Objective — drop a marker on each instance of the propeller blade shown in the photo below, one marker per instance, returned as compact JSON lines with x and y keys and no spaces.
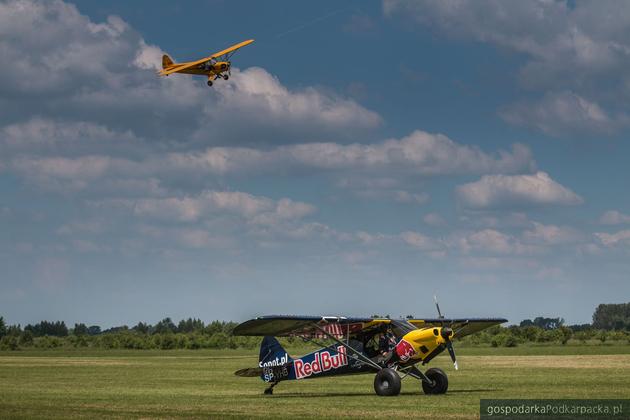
{"x":437,"y":305}
{"x":451,"y":351}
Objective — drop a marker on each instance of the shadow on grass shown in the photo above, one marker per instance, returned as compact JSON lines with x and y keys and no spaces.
{"x":364,"y":394}
{"x":472,"y":391}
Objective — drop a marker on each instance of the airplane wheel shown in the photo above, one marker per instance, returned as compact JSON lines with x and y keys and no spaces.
{"x":440,"y":380}
{"x":209,"y":83}
{"x":387,"y":383}
{"x":225,"y":77}
{"x":268,"y":391}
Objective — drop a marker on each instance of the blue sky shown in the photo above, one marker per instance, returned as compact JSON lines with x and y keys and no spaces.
{"x":363,"y":157}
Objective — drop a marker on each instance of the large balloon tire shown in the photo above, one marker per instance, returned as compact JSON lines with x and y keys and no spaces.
{"x":387,"y":383}
{"x":440,"y":385}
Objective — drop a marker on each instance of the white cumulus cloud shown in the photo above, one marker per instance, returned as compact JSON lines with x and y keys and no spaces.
{"x":614,"y":217}
{"x":580,"y":50}
{"x":614,"y":239}
{"x":512,"y":191}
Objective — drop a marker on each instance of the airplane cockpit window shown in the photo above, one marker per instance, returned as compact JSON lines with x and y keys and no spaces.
{"x":401,"y":328}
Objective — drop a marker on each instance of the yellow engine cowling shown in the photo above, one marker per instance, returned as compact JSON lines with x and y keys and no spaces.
{"x":417,"y":345}
{"x":220,"y":67}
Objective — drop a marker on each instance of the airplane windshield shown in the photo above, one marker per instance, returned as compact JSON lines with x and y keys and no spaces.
{"x":401,"y":327}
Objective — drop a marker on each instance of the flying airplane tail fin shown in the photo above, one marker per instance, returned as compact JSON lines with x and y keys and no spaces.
{"x":166,"y":61}
{"x":272,"y":353}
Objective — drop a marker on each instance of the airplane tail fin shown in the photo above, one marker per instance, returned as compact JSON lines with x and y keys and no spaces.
{"x":272,"y":353}
{"x":272,"y":362}
{"x":166,"y":61}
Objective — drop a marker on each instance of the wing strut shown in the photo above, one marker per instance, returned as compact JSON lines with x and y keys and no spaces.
{"x":357,"y":353}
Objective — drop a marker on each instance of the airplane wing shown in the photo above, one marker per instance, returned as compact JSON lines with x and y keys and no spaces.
{"x":461,"y":326}
{"x":306,"y":326}
{"x":339,"y":326}
{"x":183,"y":66}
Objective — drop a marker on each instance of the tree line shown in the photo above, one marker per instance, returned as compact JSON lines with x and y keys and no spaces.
{"x":611,"y":322}
{"x":189,"y":333}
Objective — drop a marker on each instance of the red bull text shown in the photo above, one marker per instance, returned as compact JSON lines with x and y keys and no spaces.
{"x":322,"y":362}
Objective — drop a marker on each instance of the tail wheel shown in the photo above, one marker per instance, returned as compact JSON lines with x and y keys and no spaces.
{"x":387,"y":383}
{"x":209,"y":83}
{"x":440,"y":382}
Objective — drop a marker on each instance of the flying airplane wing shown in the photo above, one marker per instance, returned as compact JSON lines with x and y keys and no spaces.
{"x":183,"y":66}
{"x":461,"y":326}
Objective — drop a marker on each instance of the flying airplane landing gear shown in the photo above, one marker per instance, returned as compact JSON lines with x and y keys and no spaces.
{"x":209,"y":83}
{"x":439,"y":382}
{"x":225,"y":77}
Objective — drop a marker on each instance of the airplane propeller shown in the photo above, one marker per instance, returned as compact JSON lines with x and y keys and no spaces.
{"x":451,"y":351}
{"x":447,"y":332}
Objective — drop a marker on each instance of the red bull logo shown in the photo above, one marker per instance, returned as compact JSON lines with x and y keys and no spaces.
{"x":404,"y":350}
{"x":322,"y":362}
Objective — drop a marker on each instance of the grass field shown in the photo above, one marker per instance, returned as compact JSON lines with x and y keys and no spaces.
{"x":201,"y":384}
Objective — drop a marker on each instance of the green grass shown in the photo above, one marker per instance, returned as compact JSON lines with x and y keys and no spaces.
{"x":201,"y":384}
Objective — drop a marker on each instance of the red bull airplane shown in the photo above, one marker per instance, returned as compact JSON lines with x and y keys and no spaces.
{"x":391,"y":348}
{"x":215,"y":66}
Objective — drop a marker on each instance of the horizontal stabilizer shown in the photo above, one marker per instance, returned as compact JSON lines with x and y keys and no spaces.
{"x":249,"y":372}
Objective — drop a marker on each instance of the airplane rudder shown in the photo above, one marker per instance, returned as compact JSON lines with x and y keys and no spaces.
{"x":272,"y":353}
{"x":166,"y":61}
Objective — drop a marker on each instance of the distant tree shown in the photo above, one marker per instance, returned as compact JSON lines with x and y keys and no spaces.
{"x":120,"y":328}
{"x":94,"y":330}
{"x":14,"y":330}
{"x":580,"y":327}
{"x":56,"y":329}
{"x":80,"y":329}
{"x":190,"y":325}
{"x":542,"y":322}
{"x":527,"y":323}
{"x":142,"y":328}
{"x":26,"y":339}
{"x":9,"y":342}
{"x":612,"y":317}
{"x":228,"y":327}
{"x":565,"y":334}
{"x":214,"y":327}
{"x":3,"y":328}
{"x":165,"y":326}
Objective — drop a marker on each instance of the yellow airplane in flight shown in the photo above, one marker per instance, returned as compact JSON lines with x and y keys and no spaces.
{"x":216,"y":66}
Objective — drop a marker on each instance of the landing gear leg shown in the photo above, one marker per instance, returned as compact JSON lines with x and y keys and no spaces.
{"x":269,"y":390}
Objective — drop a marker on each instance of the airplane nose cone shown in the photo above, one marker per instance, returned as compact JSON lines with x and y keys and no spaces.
{"x":446,"y":333}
